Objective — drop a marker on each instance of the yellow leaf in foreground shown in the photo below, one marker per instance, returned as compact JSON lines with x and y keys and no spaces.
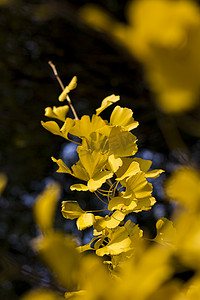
{"x":122,"y":239}
{"x":77,"y":170}
{"x":123,"y":204}
{"x":69,"y":123}
{"x":93,"y":162}
{"x":148,"y":269}
{"x":57,"y":112}
{"x":123,"y":117}
{"x":114,"y":163}
{"x":109,"y":222}
{"x":154,"y":173}
{"x":79,"y":187}
{"x":137,"y":186}
{"x":107,"y":102}
{"x":71,"y":210}
{"x":86,"y":247}
{"x":85,"y":220}
{"x":62,"y":166}
{"x":84,"y":127}
{"x":96,"y":181}
{"x":42,"y":294}
{"x":143,"y":163}
{"x":184,"y":187}
{"x":71,"y":86}
{"x":53,"y":127}
{"x":122,"y":143}
{"x":132,"y":169}
{"x":59,"y":253}
{"x":144,"y":167}
{"x":45,"y":207}
{"x":144,"y":204}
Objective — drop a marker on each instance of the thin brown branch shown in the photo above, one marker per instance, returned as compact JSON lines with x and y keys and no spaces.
{"x":62,"y":87}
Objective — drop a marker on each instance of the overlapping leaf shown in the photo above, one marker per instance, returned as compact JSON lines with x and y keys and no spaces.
{"x":57,"y":112}
{"x":123,"y":117}
{"x":107,"y":102}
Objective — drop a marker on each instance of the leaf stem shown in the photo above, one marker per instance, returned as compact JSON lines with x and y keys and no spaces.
{"x":97,"y":210}
{"x":100,"y":198}
{"x":62,"y":87}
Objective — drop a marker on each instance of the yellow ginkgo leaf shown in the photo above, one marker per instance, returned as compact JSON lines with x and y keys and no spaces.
{"x":79,"y":187}
{"x":107,"y":102}
{"x":71,"y":86}
{"x":121,"y":239}
{"x":122,"y":143}
{"x":114,"y":163}
{"x":166,"y":232}
{"x":85,"y":220}
{"x":154,"y":173}
{"x":79,"y":171}
{"x":132,"y":169}
{"x":53,"y":127}
{"x":144,"y":167}
{"x":41,"y":294}
{"x":69,"y":123}
{"x":59,"y":253}
{"x":109,"y":222}
{"x":86,"y":247}
{"x":62,"y":166}
{"x":144,"y":203}
{"x":143,"y":163}
{"x":93,"y":162}
{"x":96,"y":181}
{"x":45,"y":207}
{"x":138,"y":187}
{"x":97,"y":141}
{"x":125,"y":205}
{"x":123,"y":117}
{"x":57,"y":112}
{"x":71,"y":210}
{"x":84,"y":127}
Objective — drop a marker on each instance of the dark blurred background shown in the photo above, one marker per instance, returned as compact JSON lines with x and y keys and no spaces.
{"x":31,"y":34}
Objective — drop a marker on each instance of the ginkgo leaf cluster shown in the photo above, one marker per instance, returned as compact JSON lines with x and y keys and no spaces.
{"x":124,"y":264}
{"x":107,"y":166}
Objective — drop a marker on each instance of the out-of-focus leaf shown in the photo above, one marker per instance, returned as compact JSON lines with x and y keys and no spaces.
{"x":59,"y":253}
{"x":42,"y":294}
{"x":45,"y":207}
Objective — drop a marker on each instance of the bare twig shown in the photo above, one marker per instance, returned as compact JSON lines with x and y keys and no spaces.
{"x":62,"y":86}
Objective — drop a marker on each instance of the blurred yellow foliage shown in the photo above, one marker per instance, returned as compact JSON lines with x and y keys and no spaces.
{"x":184,"y":187}
{"x":164,"y":36}
{"x":42,"y":294}
{"x":45,"y":207}
{"x":58,"y":252}
{"x":3,"y":182}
